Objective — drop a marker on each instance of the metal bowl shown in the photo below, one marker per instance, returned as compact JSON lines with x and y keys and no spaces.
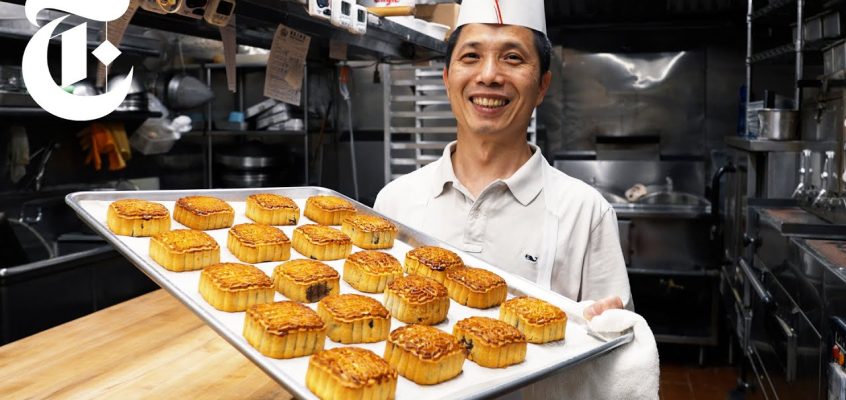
{"x":613,"y":198}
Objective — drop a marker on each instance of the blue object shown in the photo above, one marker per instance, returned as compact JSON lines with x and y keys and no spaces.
{"x":236,"y":116}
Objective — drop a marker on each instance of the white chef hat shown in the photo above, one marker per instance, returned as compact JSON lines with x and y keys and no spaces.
{"x":528,"y":13}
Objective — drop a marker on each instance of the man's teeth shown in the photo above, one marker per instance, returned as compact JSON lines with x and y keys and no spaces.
{"x":486,"y":102}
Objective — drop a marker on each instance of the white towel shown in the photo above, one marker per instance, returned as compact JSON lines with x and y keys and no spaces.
{"x":629,"y":372}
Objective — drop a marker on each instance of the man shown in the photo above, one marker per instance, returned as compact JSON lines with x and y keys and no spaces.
{"x":492,"y":194}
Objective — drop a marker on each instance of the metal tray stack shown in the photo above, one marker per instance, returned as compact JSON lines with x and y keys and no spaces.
{"x":473,"y":382}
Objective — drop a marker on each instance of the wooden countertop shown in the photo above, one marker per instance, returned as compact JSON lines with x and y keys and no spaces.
{"x":148,"y":347}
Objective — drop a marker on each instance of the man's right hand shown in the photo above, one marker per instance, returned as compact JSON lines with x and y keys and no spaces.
{"x":601,"y":305}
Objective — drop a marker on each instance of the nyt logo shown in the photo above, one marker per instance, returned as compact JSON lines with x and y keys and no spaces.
{"x":36,"y":74}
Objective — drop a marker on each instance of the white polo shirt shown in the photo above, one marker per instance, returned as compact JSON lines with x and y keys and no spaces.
{"x":539,"y":223}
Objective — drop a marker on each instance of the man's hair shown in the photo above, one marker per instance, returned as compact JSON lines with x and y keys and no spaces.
{"x":542,"y":45}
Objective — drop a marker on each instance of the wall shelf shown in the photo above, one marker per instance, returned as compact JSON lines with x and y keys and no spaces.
{"x":772,"y":8}
{"x":36,"y":112}
{"x":763,"y":145}
{"x":248,"y":133}
{"x":258,"y":19}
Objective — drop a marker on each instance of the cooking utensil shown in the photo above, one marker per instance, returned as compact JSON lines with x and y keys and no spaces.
{"x":136,"y":99}
{"x":183,"y":92}
{"x":778,"y":124}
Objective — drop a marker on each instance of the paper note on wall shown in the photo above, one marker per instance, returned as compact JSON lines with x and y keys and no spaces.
{"x":229,"y":37}
{"x":114,"y":33}
{"x":285,"y":65}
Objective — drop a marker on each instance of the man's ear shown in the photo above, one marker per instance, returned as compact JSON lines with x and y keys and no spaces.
{"x":545,"y":82}
{"x":446,"y":78}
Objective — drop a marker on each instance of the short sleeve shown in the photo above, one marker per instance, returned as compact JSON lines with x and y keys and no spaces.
{"x":604,"y":272}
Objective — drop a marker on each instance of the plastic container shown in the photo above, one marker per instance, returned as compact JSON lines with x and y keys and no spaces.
{"x":157,"y":136}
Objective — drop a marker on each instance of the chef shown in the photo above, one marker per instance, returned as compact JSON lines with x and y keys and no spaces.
{"x":492,"y":194}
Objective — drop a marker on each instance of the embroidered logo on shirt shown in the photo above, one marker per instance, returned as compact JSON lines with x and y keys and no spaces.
{"x":531,"y":258}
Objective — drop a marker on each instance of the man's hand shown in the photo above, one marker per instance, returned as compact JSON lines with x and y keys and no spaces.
{"x":601,"y":305}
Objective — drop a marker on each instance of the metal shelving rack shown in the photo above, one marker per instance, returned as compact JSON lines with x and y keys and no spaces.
{"x":209,"y":132}
{"x":797,"y":47}
{"x":411,"y":141}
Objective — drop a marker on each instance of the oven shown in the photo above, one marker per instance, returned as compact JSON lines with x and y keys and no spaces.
{"x":783,"y":293}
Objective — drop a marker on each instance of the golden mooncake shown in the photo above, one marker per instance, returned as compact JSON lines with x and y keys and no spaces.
{"x":346,"y":373}
{"x":431,"y":261}
{"x":234,"y":287}
{"x":256,"y":243}
{"x":285,"y":329}
{"x":133,"y":217}
{"x":370,"y":271}
{"x":425,"y":355}
{"x":306,"y":281}
{"x":203,"y":213}
{"x":540,"y":321}
{"x":184,"y":250}
{"x":475,"y":287}
{"x":321,"y":242}
{"x":353,"y":318}
{"x":491,"y":343}
{"x":272,"y":209}
{"x":370,"y":232}
{"x":328,"y":210}
{"x":417,"y":300}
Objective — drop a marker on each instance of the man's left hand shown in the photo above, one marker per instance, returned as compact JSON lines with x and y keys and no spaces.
{"x":601,"y":305}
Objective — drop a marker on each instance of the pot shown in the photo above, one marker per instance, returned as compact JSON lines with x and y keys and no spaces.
{"x":778,"y":124}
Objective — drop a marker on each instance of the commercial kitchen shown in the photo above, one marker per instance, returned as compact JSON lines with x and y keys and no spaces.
{"x":715,"y":130}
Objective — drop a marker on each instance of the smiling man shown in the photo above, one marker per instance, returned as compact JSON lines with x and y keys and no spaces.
{"x":492,"y":193}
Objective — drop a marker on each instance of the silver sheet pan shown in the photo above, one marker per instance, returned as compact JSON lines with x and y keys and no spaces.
{"x":474,"y":383}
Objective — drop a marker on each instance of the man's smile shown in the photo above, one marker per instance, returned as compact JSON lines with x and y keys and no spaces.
{"x":489,"y":101}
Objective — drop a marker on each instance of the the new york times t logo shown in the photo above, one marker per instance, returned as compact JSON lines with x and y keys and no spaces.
{"x":36,"y":74}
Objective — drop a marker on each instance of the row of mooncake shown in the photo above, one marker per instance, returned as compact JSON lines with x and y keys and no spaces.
{"x":133,"y":217}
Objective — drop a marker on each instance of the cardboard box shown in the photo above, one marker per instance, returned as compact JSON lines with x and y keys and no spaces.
{"x":444,"y":14}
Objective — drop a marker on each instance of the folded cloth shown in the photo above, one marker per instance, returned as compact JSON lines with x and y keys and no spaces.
{"x":636,"y":192}
{"x":629,"y":372}
{"x":18,"y":153}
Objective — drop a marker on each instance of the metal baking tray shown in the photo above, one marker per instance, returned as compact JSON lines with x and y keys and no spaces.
{"x":473,"y":383}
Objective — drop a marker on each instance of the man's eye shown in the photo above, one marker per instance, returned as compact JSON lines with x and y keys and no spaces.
{"x":470,"y":56}
{"x":513,"y":57}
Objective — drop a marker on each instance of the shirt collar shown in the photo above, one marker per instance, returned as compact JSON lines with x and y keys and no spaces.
{"x":525,"y":184}
{"x":444,"y":173}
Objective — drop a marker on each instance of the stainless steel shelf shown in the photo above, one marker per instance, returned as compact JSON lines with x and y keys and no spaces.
{"x":630,"y":211}
{"x":36,"y":112}
{"x":763,"y":145}
{"x":769,"y":54}
{"x":772,"y":7}
{"x":133,"y":42}
{"x":258,"y":19}
{"x":250,"y":133}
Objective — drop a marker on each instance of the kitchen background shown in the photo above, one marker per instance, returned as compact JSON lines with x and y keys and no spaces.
{"x":728,"y":261}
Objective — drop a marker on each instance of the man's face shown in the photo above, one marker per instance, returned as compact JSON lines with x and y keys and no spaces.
{"x":494,"y":80}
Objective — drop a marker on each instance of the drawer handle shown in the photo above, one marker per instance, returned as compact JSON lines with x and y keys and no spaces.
{"x":790,"y":336}
{"x":755,"y":282}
